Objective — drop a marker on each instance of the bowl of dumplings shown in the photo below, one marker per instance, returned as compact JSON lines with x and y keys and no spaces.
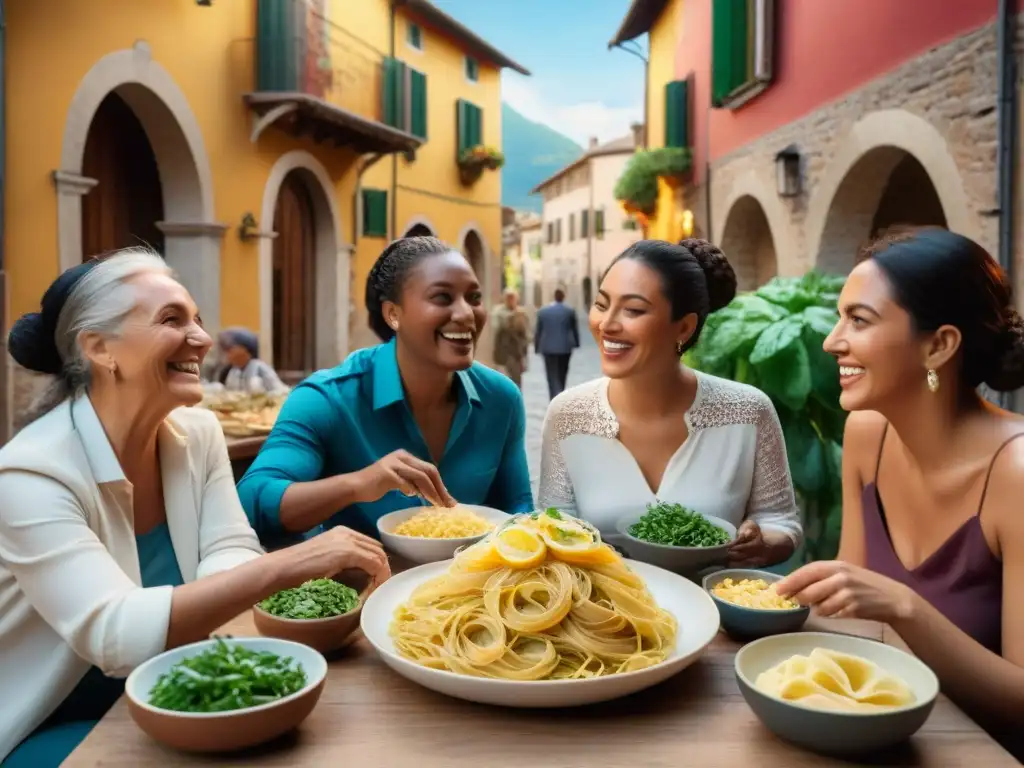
{"x":836,"y":694}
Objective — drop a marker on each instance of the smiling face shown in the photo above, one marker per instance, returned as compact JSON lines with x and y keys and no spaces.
{"x":882,"y":359}
{"x":631,"y":319}
{"x":160,"y":348}
{"x":440,"y":314}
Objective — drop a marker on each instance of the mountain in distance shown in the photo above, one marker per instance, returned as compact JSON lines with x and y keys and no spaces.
{"x":532,"y":153}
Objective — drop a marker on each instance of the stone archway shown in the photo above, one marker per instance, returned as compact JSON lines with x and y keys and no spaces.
{"x":893,"y":168}
{"x":748,"y":243}
{"x":473,"y":248}
{"x":331,"y":260}
{"x":419,"y":227}
{"x":751,"y":194}
{"x":192,"y":237}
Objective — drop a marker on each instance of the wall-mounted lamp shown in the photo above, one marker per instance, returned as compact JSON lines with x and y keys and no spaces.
{"x":787,"y":172}
{"x":686,"y":223}
{"x":250,"y":229}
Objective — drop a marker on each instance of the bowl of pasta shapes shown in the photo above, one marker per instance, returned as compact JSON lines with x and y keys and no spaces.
{"x":429,"y":534}
{"x":750,"y":607}
{"x":675,"y":538}
{"x":836,"y":694}
{"x":540,"y":613}
{"x":225,"y":694}
{"x":321,"y":613}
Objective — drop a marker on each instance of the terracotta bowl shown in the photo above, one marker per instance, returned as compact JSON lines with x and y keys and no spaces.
{"x":324,"y":635}
{"x":224,"y":731}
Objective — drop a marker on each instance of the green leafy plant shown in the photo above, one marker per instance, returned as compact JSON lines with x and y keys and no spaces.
{"x":637,"y":187}
{"x":772,"y":339}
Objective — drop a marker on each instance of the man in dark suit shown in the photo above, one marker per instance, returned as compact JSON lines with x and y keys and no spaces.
{"x":556,"y":335}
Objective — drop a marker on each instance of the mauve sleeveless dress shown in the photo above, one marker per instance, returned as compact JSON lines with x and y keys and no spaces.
{"x":963,"y":579}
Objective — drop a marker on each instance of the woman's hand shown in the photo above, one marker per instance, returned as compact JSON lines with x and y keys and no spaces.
{"x":750,"y":550}
{"x":839,"y":590}
{"x":402,"y":471}
{"x":336,"y":550}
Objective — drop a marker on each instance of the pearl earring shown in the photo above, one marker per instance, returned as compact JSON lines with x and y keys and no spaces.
{"x":933,"y":380}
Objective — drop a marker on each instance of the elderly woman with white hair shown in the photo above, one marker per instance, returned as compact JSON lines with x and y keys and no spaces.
{"x":121,"y":534}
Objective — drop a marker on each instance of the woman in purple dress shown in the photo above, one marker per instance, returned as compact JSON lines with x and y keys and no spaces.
{"x":933,"y":475}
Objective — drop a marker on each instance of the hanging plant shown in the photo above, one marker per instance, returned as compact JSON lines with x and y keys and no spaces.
{"x":637,"y":187}
{"x":475,"y":160}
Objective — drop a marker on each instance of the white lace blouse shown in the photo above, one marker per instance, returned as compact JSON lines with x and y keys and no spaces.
{"x":733,"y":464}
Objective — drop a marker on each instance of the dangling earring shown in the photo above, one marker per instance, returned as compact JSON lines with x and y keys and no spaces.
{"x":394,"y":324}
{"x":680,"y":348}
{"x":933,"y":380}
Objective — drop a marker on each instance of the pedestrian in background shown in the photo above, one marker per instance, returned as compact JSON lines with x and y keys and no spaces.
{"x":557,"y":334}
{"x":511,"y":337}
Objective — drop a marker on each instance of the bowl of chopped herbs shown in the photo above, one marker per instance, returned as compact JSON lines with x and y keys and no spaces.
{"x":322,"y":613}
{"x":225,"y":694}
{"x":675,"y":538}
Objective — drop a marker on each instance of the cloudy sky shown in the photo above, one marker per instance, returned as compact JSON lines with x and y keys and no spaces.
{"x":578,"y":86}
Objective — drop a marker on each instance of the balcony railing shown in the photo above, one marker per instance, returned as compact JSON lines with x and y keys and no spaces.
{"x":300,"y":50}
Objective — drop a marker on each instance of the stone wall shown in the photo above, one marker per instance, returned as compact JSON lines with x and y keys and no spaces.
{"x":940,"y":108}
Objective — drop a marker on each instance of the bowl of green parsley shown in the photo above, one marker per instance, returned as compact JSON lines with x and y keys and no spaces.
{"x":322,"y":613}
{"x":675,"y":538}
{"x":225,"y":694}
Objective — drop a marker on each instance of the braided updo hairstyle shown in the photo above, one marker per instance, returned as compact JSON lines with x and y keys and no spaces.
{"x":695,"y":277}
{"x":388,"y":274}
{"x":942,"y":278}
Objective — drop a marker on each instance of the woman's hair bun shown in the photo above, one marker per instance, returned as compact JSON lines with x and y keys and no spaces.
{"x":32,"y":345}
{"x":718,"y":272}
{"x":1008,"y":372}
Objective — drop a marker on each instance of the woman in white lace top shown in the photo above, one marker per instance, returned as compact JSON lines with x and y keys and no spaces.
{"x":653,"y":430}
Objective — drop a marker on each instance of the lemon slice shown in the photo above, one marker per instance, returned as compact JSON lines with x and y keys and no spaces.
{"x":519,"y":547}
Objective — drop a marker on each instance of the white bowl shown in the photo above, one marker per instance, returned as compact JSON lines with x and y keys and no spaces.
{"x":422,"y":550}
{"x":225,"y":731}
{"x":829,"y":732}
{"x":693,"y":608}
{"x":687,"y":560}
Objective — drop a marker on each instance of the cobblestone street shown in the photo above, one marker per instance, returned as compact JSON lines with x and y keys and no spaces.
{"x":584,"y":366}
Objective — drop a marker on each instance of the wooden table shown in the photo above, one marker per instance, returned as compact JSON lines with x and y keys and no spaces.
{"x":370,"y":716}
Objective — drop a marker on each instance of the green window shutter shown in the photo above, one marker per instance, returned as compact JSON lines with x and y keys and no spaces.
{"x":730,"y":47}
{"x":461,"y":127}
{"x":278,"y":35}
{"x":677,"y":114}
{"x":395,"y":111}
{"x":375,"y":212}
{"x":599,"y":224}
{"x":476,"y":134}
{"x":584,"y":223}
{"x":418,"y":103}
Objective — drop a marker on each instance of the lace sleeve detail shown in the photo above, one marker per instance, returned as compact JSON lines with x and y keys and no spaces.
{"x":555,"y":489}
{"x":580,"y":410}
{"x":772,"y":503}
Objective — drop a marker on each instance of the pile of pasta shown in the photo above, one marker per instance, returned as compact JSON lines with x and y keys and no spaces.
{"x":244,"y":415}
{"x":444,"y":523}
{"x":540,"y":598}
{"x":827,"y":679}
{"x":753,"y":593}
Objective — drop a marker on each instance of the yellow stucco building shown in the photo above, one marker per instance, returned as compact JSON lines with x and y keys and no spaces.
{"x":268,"y":148}
{"x":666,"y":105}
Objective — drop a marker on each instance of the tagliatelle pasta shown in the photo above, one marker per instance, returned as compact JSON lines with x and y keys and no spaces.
{"x":541,"y":598}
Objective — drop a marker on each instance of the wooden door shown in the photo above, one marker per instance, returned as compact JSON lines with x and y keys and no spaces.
{"x":294,"y":281}
{"x":123,"y":208}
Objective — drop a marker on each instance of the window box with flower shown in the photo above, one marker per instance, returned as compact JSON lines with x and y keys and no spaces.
{"x":477,"y":159}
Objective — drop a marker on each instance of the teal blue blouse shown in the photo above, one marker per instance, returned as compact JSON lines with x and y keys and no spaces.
{"x":51,"y":743}
{"x":346,"y":418}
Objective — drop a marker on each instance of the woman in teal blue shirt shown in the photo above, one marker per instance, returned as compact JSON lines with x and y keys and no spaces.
{"x":414,"y":416}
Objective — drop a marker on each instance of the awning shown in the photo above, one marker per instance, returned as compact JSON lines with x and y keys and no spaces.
{"x":301,"y":114}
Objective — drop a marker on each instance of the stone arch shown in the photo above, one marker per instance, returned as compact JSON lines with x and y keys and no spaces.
{"x":332,"y":258}
{"x":192,"y":236}
{"x":474,"y":248}
{"x":752,"y":189}
{"x":748,"y":243}
{"x":418,"y":226}
{"x":881,"y":148}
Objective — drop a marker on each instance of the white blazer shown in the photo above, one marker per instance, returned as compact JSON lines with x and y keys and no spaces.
{"x":70,"y":584}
